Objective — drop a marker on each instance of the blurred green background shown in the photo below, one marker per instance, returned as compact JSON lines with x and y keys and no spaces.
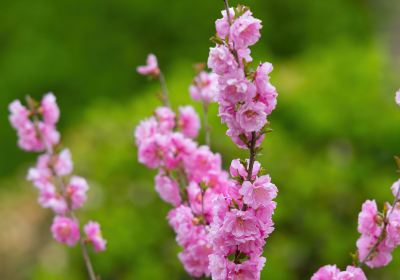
{"x":336,"y":128}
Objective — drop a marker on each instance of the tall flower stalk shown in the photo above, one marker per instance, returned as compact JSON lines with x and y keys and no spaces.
{"x":59,"y":190}
{"x":221,"y":223}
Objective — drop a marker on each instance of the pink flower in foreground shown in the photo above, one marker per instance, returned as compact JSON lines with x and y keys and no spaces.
{"x":189,"y":121}
{"x":382,"y":255}
{"x":266,"y":92}
{"x":395,"y":189}
{"x":222,"y":25}
{"x":168,"y":189}
{"x":251,"y":116}
{"x":93,"y":235}
{"x":166,"y":119}
{"x":146,"y":129}
{"x":63,"y":164}
{"x":19,"y":115}
{"x":221,"y":60}
{"x":65,"y":230}
{"x":368,"y":218}
{"x":76,"y":191}
{"x":259,"y":193}
{"x":331,"y":272}
{"x":151,"y":67}
{"x":245,"y":31}
{"x":238,"y":169}
{"x":49,"y":109}
{"x":236,"y":88}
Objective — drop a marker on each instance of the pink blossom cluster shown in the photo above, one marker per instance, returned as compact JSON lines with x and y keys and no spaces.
{"x":242,"y":219}
{"x":380,"y":231}
{"x":189,"y":177}
{"x":58,"y":189}
{"x":331,"y":272}
{"x":204,"y":87}
{"x":246,"y":97}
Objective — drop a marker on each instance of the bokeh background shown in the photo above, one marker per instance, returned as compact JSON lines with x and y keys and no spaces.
{"x":336,"y":128}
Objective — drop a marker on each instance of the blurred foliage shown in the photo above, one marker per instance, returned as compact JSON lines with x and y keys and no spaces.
{"x":332,"y":147}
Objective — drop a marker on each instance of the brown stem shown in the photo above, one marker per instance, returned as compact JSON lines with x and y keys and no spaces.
{"x":227,"y":11}
{"x":164,"y":90}
{"x":252,"y":159}
{"x":86,"y":258}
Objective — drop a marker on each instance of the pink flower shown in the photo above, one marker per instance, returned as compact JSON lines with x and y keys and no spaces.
{"x":204,"y":87}
{"x":49,"y":109}
{"x":327,"y":272}
{"x":146,"y":129}
{"x":249,"y":270}
{"x":151,"y":68}
{"x":76,"y":190}
{"x":222,"y":25}
{"x":234,"y":88}
{"x":382,"y":255}
{"x":251,"y":116}
{"x":93,"y":235}
{"x":195,"y":258}
{"x":189,"y":121}
{"x":166,"y":119}
{"x":331,"y":272}
{"x":395,"y":189}
{"x":65,"y":230}
{"x":168,"y":189}
{"x":266,"y":92}
{"x":398,"y":97}
{"x":392,"y":239}
{"x":63,"y":164}
{"x":218,"y":267}
{"x":241,"y":224}
{"x":221,"y":60}
{"x":352,"y":273}
{"x":19,"y":117}
{"x":259,"y":193}
{"x":367,"y":219}
{"x":237,"y":169}
{"x":245,"y":31}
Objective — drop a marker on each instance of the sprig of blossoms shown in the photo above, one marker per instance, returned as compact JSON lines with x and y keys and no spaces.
{"x":243,"y":219}
{"x":380,"y":235}
{"x":190,"y":176}
{"x":58,"y":189}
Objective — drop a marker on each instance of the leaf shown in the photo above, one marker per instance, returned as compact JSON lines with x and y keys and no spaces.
{"x":215,"y":39}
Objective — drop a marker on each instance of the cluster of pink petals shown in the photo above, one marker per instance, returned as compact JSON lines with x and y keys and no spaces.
{"x":204,"y":87}
{"x":242,"y":220}
{"x":21,"y":118}
{"x":331,"y":272}
{"x":58,"y":189}
{"x":245,"y":98}
{"x":151,"y":67}
{"x":93,"y":235}
{"x":398,"y":97}
{"x":372,"y":226}
{"x":189,"y":177}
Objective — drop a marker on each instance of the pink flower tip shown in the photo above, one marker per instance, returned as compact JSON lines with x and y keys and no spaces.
{"x":151,"y":67}
{"x":93,"y":235}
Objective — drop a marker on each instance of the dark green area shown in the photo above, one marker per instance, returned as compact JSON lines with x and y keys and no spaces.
{"x":336,"y":127}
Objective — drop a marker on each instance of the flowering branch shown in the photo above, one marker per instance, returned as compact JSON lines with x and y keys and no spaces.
{"x":380,"y":235}
{"x":37,"y":132}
